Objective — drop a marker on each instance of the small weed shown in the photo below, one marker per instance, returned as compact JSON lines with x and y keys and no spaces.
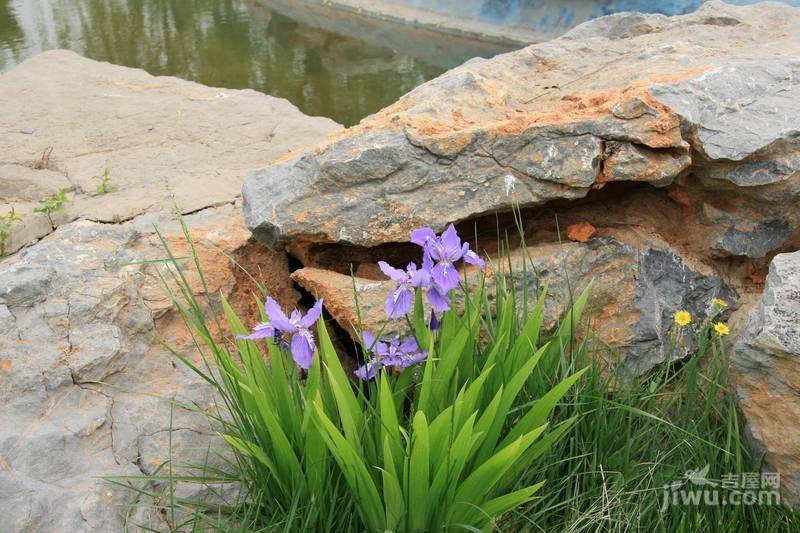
{"x":105,"y":184}
{"x":5,"y":229}
{"x":51,"y":204}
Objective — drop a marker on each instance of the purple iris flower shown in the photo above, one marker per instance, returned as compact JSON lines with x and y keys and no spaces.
{"x":403,"y":354}
{"x":387,"y":354}
{"x":445,"y":250}
{"x":296,"y":328}
{"x":402,"y":298}
{"x":438,"y":297}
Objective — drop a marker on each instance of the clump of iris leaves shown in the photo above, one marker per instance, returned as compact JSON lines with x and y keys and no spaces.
{"x":479,"y":421}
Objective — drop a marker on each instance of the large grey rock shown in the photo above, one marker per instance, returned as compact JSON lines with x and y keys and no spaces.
{"x":166,"y":142}
{"x":740,"y":107}
{"x":704,"y":102}
{"x":766,"y":367}
{"x":59,"y":431}
{"x":82,"y":314}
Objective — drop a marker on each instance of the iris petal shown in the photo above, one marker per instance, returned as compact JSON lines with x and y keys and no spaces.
{"x":427,"y":261}
{"x":451,"y":244}
{"x":261,"y":331}
{"x":446,"y":276}
{"x":399,"y":302}
{"x":438,"y":301}
{"x":303,"y":348}
{"x":312,"y":315}
{"x":474,"y":259}
{"x":422,"y":236}
{"x":368,"y":371}
{"x":276,"y":316}
{"x":420,"y":278}
{"x":391,"y":272}
{"x":409,"y":346}
{"x":381,"y":349}
{"x":369,"y":339}
{"x":417,"y":357}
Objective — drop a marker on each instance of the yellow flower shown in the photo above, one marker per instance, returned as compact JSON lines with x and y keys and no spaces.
{"x":722,"y":328}
{"x":683,"y":318}
{"x":720,"y":303}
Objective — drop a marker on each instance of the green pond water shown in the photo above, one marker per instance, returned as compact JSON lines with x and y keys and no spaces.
{"x":345,"y":71}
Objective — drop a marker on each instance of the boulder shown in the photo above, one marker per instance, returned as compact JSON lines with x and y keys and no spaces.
{"x":703,"y":103}
{"x":82,"y":314}
{"x":766,"y":370}
{"x":166,"y":142}
{"x":84,"y":377}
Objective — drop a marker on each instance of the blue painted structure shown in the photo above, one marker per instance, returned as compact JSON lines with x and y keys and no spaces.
{"x":448,"y":32}
{"x":552,"y":17}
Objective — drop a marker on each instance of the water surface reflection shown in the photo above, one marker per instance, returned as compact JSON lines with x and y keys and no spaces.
{"x":224,"y":43}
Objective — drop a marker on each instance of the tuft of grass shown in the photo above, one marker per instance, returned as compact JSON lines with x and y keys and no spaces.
{"x":311,"y":452}
{"x":634,"y":438}
{"x":5,"y":229}
{"x":105,"y":184}
{"x":285,"y":480}
{"x":432,"y":447}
